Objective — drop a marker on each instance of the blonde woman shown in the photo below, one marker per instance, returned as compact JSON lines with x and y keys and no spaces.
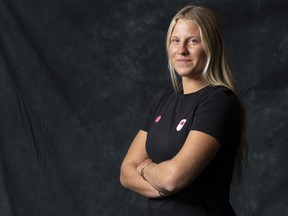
{"x":193,"y":137}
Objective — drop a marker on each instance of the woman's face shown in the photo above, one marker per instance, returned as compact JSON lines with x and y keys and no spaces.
{"x":185,"y":51}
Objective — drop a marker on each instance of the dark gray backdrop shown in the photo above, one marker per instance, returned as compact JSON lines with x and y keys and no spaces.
{"x":75,"y":79}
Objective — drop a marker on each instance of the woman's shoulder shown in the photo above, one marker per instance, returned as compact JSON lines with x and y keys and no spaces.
{"x":220,"y":92}
{"x":220,"y":95}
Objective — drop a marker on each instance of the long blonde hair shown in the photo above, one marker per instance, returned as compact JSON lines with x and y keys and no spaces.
{"x":217,"y":71}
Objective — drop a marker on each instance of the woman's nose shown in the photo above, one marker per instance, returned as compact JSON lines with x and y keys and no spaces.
{"x":182,"y":49}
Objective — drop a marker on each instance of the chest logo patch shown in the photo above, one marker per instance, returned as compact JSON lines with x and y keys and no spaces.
{"x":181,"y":124}
{"x":157,"y":119}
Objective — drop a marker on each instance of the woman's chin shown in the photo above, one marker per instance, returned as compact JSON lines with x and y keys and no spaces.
{"x":184,"y":73}
{"x":189,"y":74}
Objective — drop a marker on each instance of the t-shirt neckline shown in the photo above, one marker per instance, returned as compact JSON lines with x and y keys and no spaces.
{"x":193,"y":93}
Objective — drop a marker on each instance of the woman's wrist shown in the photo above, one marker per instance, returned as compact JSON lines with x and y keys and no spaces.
{"x":142,"y":170}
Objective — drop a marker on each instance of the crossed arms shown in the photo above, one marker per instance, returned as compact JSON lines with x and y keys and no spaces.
{"x":140,"y":174}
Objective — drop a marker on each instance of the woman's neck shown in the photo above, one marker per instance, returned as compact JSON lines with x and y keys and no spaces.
{"x":193,"y":85}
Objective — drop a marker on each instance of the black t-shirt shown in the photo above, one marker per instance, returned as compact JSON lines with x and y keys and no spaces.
{"x":169,"y":119}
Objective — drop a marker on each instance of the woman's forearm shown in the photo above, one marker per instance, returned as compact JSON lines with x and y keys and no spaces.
{"x":131,"y":179}
{"x":160,"y":176}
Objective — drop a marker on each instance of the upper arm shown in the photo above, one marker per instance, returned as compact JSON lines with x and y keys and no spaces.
{"x":137,"y":151}
{"x":197,"y":152}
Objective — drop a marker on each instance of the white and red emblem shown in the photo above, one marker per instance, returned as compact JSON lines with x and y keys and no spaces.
{"x":181,"y":124}
{"x":157,"y":119}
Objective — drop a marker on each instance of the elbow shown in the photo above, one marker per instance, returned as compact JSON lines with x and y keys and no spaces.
{"x":123,"y":181}
{"x":122,"y":178}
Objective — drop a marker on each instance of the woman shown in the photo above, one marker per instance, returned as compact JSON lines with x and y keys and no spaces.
{"x":193,"y":136}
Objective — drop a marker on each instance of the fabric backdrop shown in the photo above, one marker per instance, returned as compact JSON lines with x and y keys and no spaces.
{"x":75,"y":80}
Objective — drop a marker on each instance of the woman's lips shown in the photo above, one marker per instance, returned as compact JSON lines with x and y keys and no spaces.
{"x":183,"y":61}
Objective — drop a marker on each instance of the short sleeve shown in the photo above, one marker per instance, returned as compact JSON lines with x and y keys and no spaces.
{"x":218,"y":115}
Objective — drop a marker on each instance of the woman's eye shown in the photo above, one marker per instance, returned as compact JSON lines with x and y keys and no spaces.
{"x":193,"y":41}
{"x":174,"y":41}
